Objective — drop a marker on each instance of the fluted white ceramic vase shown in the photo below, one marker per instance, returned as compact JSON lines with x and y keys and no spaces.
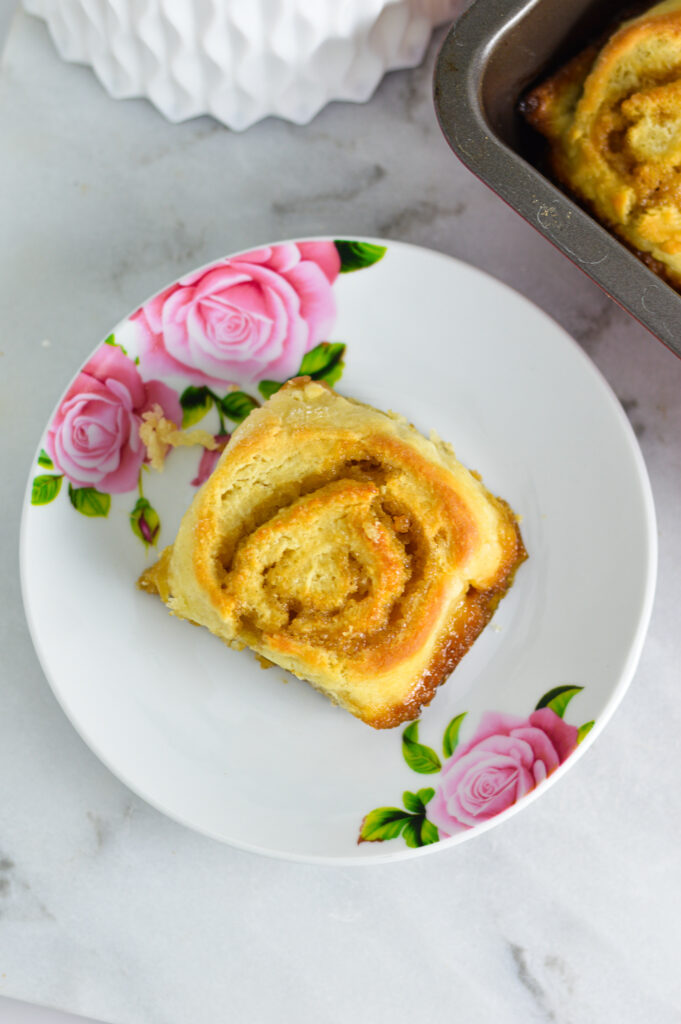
{"x":242,"y":60}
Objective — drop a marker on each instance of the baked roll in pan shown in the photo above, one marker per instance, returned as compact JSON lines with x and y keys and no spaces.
{"x":612,"y":117}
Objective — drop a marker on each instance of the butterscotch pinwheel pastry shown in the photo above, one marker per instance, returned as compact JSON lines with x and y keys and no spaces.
{"x":613,"y":120}
{"x":337,"y":542}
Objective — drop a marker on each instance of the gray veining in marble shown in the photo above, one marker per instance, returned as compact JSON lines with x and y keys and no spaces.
{"x":567,"y":914}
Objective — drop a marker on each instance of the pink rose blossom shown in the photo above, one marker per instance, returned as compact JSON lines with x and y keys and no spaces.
{"x":507,"y":757}
{"x":244,"y":319}
{"x":94,"y":437}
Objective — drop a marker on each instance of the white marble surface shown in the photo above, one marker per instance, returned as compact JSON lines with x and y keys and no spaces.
{"x":13,"y":1011}
{"x":570,"y":911}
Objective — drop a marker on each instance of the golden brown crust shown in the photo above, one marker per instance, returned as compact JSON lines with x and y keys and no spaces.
{"x":339,"y":543}
{"x":465,"y":626}
{"x":550,"y":106}
{"x":612,"y":116}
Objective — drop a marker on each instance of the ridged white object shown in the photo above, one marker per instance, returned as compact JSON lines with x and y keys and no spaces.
{"x":242,"y":60}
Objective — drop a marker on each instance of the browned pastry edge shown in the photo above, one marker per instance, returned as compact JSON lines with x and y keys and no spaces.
{"x":467,"y":623}
{"x":469,"y":620}
{"x":535,"y":106}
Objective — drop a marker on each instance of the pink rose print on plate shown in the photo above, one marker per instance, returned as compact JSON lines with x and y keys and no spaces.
{"x":243,"y":319}
{"x":94,"y":437}
{"x":507,"y":757}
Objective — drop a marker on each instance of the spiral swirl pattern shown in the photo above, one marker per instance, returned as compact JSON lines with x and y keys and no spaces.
{"x":339,"y":543}
{"x":613,"y":120}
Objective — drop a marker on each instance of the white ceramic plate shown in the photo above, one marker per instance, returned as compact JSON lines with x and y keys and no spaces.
{"x":261,"y":760}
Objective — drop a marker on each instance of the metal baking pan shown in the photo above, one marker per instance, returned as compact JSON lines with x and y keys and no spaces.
{"x":489,"y":58}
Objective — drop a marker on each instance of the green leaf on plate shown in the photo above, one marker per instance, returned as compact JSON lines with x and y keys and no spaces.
{"x":44,"y":460}
{"x":237,"y":405}
{"x":324,"y":362}
{"x":412,"y":831}
{"x":383,"y":823}
{"x":267,"y":388}
{"x":412,"y":802}
{"x":420,"y":758}
{"x":451,"y":736}
{"x":418,"y":831}
{"x":145,"y":522}
{"x":195,"y":402}
{"x":45,"y":489}
{"x":429,"y":833}
{"x":584,"y":730}
{"x":416,"y":802}
{"x":357,"y":255}
{"x":558,"y":699}
{"x":425,"y":795}
{"x":89,"y":502}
